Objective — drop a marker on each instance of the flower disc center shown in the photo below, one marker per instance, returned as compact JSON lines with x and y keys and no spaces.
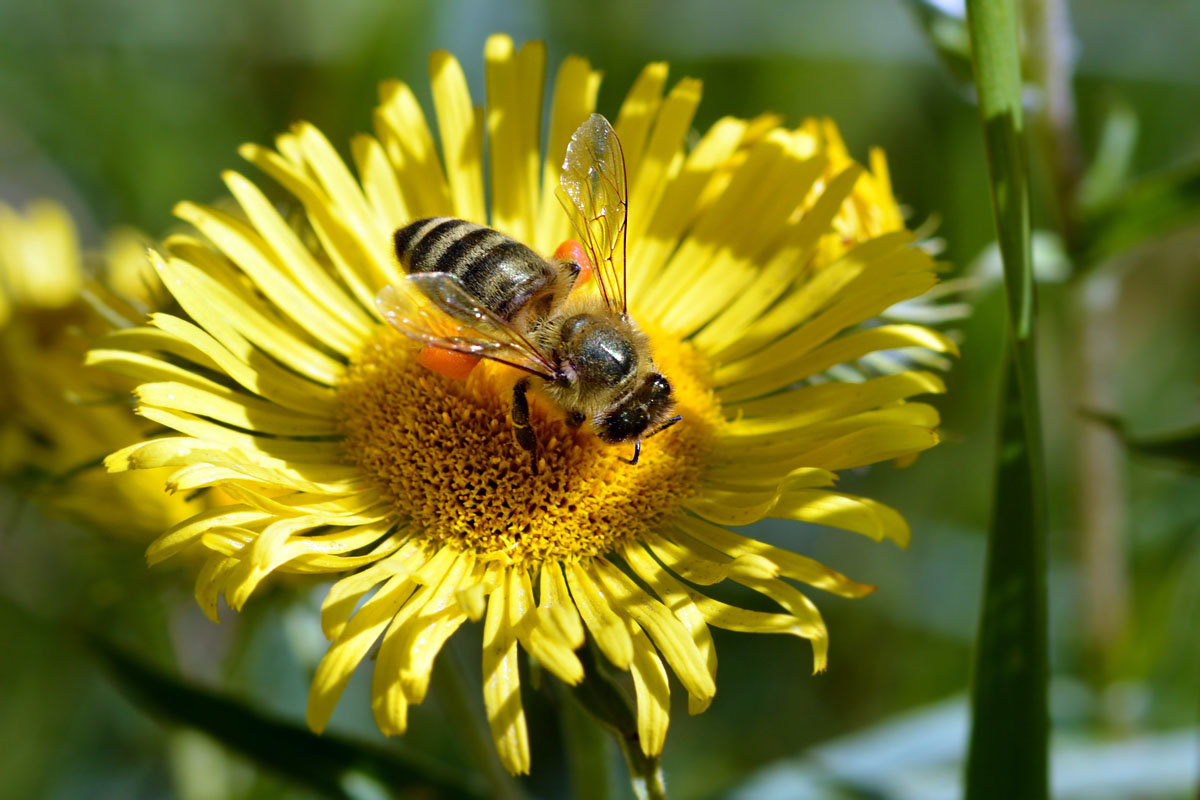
{"x":445,"y":452}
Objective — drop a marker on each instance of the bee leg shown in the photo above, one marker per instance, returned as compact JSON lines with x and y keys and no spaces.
{"x":637,"y":453}
{"x":522,"y":430}
{"x":575,"y":419}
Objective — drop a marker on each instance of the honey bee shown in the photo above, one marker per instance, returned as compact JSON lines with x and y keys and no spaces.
{"x":472,"y":292}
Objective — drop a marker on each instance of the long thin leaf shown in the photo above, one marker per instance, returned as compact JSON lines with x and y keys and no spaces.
{"x":1009,"y":733}
{"x":337,"y":767}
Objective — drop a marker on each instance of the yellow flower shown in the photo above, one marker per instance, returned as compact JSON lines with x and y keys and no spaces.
{"x":60,"y":420}
{"x":348,"y":458}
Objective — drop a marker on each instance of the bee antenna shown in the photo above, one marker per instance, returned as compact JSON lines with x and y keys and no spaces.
{"x":637,"y":453}
{"x":666,"y":425}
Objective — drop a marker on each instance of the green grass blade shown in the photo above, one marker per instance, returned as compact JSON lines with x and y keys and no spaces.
{"x":336,"y":767}
{"x":1009,"y":734}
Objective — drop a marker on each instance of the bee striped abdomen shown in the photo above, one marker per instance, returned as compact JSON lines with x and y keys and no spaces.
{"x":497,"y":269}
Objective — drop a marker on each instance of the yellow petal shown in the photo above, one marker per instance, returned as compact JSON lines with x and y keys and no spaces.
{"x":432,"y":627}
{"x":792,"y":258}
{"x":575,"y":89}
{"x":245,"y":247}
{"x":667,"y":632}
{"x":228,"y":318}
{"x":345,"y":595}
{"x":44,"y":238}
{"x":514,"y":114}
{"x":362,"y":266}
{"x":637,"y":114}
{"x":790,"y":565}
{"x":462,"y":137}
{"x":406,"y":138}
{"x":652,"y":691}
{"x":226,"y":405}
{"x":291,"y":254}
{"x":766,"y":478}
{"x":809,"y":622}
{"x":234,"y":356}
{"x":557,"y":608}
{"x":343,"y":191}
{"x":502,"y":683}
{"x":652,"y":242}
{"x":842,"y":350}
{"x":380,"y":184}
{"x":872,"y":445}
{"x":293,"y":455}
{"x":699,"y":563}
{"x":782,"y":356}
{"x":753,"y":213}
{"x":210,"y":582}
{"x":607,"y":628}
{"x":357,"y":637}
{"x":813,"y":404}
{"x":147,"y":338}
{"x":418,"y":617}
{"x":191,"y":529}
{"x":540,"y":640}
{"x":676,"y":597}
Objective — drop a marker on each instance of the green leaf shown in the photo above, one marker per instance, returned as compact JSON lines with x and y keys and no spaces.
{"x":588,"y":750}
{"x":1007,"y":755}
{"x":1009,"y":726}
{"x":947,"y":33}
{"x":1181,"y":447}
{"x":1107,"y":173}
{"x":337,"y":767}
{"x":1146,"y":209}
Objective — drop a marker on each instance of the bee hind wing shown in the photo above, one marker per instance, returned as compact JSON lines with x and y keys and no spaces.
{"x":594,"y":192}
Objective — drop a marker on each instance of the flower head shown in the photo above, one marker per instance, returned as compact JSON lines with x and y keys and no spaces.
{"x":60,"y":420}
{"x":348,"y":458}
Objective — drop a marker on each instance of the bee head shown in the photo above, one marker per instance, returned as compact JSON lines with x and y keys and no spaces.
{"x":643,"y":409}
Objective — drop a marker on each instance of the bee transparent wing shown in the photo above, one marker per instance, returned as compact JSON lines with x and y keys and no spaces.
{"x":594,"y":193}
{"x":436,"y":309}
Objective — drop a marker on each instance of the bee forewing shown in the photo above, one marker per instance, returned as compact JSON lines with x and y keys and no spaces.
{"x":435,"y":308}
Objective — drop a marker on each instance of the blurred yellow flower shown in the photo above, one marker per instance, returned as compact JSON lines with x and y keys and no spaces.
{"x":347,"y":458}
{"x":60,"y":420}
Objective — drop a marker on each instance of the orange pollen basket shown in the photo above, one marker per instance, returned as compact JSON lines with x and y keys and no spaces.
{"x":450,"y":363}
{"x":571,"y":250}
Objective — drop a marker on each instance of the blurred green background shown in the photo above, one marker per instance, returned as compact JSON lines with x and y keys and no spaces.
{"x":119,"y":109}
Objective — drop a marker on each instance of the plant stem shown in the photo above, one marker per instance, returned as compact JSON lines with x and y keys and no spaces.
{"x":1101,"y":507}
{"x":644,"y":771}
{"x":1009,"y":735}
